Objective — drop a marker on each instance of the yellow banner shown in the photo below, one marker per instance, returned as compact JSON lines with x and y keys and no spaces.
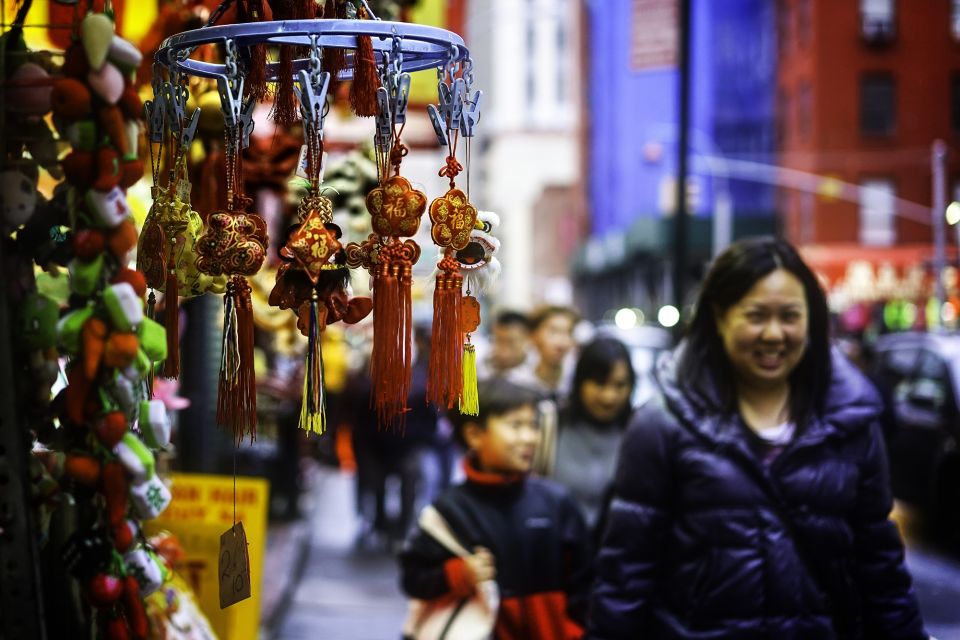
{"x":201,"y":510}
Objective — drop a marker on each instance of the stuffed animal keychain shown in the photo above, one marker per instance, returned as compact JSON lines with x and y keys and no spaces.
{"x":453,"y":375}
{"x":234,"y":245}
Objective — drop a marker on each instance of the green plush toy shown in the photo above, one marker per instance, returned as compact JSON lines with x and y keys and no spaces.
{"x":38,"y":322}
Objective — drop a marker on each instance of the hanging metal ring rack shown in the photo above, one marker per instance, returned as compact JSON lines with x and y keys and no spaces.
{"x":421,"y":47}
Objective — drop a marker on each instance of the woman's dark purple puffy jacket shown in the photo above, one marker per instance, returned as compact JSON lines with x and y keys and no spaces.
{"x":696,"y":546}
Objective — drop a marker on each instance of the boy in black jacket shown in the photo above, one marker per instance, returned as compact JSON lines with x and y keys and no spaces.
{"x":525,"y":532}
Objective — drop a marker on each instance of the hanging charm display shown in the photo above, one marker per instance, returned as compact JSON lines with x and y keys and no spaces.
{"x":453,"y":379}
{"x":314,"y":278}
{"x":234,"y":245}
{"x":166,"y":251}
{"x":396,"y":208}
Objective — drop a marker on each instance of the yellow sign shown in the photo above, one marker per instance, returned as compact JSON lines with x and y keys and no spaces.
{"x":201,"y":510}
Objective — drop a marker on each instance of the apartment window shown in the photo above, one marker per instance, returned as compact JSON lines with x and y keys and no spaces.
{"x":955,"y":101}
{"x":783,"y":105}
{"x":784,"y":28}
{"x":877,"y":211}
{"x":877,"y":20}
{"x":878,"y":100}
{"x":955,"y":19}
{"x":804,"y":110}
{"x":803,"y":22}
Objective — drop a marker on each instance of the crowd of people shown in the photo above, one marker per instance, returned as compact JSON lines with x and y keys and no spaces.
{"x":749,"y":498}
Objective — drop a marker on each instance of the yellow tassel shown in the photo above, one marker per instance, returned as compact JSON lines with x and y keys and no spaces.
{"x":470,"y":402}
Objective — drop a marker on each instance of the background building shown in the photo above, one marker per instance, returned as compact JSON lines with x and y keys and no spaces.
{"x":632,"y":117}
{"x":864,"y":89}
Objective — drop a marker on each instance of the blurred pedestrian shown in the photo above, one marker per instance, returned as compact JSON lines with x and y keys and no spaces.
{"x":592,"y":424}
{"x":751,"y":500}
{"x":415,"y":453}
{"x":549,"y":370}
{"x":525,"y":532}
{"x":509,"y":345}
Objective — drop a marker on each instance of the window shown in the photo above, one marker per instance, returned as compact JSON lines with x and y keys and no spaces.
{"x":955,"y":102}
{"x":803,"y":22}
{"x":877,"y":20}
{"x":804,"y":108}
{"x":877,"y":104}
{"x":877,"y":210}
{"x":955,"y":19}
{"x":783,"y":110}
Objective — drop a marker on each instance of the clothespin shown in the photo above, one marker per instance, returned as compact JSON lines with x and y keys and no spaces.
{"x":246,"y":123}
{"x":172,"y":105}
{"x":231,"y":99}
{"x":457,"y":94}
{"x":312,"y":94}
{"x":153,"y":111}
{"x":400,"y":98}
{"x":190,"y":130}
{"x":384,"y":135}
{"x":445,"y":96}
{"x":439,"y":126}
{"x":471,"y":113}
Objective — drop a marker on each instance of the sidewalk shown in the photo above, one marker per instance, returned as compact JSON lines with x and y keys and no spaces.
{"x":340,"y":594}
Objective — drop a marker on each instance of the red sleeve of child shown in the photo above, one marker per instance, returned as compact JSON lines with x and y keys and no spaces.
{"x":458,"y":577}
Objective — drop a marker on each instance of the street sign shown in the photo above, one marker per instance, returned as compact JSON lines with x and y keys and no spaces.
{"x":201,"y":510}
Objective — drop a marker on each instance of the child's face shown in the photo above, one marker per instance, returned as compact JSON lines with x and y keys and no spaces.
{"x":509,"y":442}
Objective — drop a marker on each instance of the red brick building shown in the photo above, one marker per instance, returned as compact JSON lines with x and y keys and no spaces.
{"x":865,"y":87}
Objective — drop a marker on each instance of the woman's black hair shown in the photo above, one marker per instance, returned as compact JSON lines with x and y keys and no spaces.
{"x":595,"y":363}
{"x":703,"y":363}
{"x":497,"y":396}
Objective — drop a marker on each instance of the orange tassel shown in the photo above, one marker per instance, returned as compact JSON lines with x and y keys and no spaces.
{"x":334,"y":58}
{"x":366,"y":81}
{"x":445,"y":383}
{"x":256,"y":82}
{"x":171,"y":319}
{"x":390,"y":361}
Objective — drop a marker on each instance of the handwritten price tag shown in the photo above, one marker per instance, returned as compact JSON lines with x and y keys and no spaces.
{"x":234,"y":566}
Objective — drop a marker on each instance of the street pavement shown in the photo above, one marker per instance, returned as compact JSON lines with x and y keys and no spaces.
{"x":344,"y":594}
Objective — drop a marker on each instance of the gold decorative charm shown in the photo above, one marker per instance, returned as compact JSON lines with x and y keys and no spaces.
{"x":453,"y":218}
{"x":396,"y":208}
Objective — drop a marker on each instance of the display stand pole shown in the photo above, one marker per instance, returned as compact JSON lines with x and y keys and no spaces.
{"x":21,"y":605}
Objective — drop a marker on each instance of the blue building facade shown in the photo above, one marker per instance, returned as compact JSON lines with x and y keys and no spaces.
{"x":633,"y":111}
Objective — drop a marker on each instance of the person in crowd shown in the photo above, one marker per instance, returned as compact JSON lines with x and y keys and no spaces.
{"x":551,"y":331}
{"x":751,"y":500}
{"x":415,"y":454}
{"x":526,"y":532}
{"x":592,"y":423}
{"x":509,"y":345}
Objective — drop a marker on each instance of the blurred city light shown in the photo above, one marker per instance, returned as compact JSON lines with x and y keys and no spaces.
{"x":949,"y":312}
{"x":668,"y":316}
{"x":953,"y":212}
{"x":625,"y":318}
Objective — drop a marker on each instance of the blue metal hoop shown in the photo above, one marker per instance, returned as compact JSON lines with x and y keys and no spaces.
{"x":422,"y":47}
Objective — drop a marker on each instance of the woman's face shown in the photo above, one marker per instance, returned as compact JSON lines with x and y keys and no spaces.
{"x":605,"y":400}
{"x":765,"y":333}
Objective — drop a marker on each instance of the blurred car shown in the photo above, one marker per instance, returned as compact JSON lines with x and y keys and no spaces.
{"x":645,"y":343}
{"x":919,"y":376}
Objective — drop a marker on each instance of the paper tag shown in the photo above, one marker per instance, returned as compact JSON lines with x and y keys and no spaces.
{"x":234,"y":566}
{"x":304,"y":160}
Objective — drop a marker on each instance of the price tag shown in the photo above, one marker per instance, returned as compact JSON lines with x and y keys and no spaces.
{"x":234,"y":566}
{"x":304,"y":160}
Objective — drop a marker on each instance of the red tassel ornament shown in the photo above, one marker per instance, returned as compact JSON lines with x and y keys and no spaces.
{"x":445,"y":383}
{"x":366,"y":80}
{"x":391,"y":357}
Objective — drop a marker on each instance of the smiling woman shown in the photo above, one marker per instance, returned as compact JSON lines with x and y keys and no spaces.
{"x":752,"y":498}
